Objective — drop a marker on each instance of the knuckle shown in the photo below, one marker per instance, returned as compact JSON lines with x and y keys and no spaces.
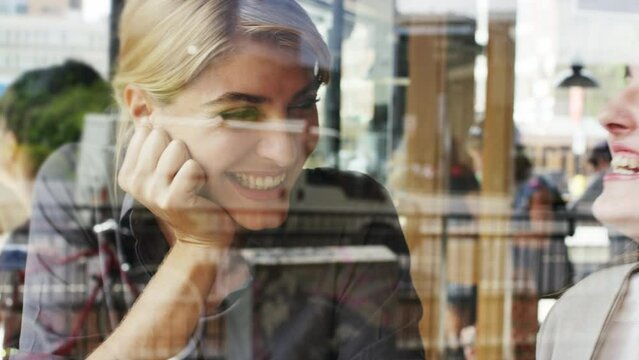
{"x":134,"y":179}
{"x":172,"y":199}
{"x":164,"y":203}
{"x":136,"y":191}
{"x":138,"y":173}
{"x":146,"y":192}
{"x":123,"y":180}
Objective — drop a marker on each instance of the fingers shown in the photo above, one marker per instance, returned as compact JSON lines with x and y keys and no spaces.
{"x":189,"y":179}
{"x":144,"y":151}
{"x":131,"y":158}
{"x":154,"y":161}
{"x":152,"y":149}
{"x":172,"y":160}
{"x":159,"y":173}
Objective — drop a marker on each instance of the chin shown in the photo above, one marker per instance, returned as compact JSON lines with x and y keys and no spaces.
{"x":259,"y":220}
{"x":620,"y":215}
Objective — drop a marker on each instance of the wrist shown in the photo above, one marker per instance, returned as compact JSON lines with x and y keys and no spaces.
{"x":214,"y":240}
{"x":200,"y":252}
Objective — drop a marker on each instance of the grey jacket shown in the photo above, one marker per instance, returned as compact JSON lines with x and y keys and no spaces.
{"x":576,"y":325}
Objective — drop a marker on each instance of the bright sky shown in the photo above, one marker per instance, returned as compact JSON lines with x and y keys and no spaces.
{"x":95,"y":9}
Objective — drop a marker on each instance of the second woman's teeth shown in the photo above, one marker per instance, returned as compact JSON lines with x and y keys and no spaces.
{"x":625,"y":165}
{"x":259,"y":182}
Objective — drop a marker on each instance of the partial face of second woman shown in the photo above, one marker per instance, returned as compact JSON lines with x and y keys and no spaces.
{"x":618,"y":205}
{"x":246,"y":121}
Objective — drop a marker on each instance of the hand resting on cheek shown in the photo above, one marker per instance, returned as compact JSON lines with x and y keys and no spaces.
{"x":160,"y":174}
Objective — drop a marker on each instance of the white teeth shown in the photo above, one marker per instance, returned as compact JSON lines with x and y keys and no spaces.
{"x":259,"y":182}
{"x":625,"y":165}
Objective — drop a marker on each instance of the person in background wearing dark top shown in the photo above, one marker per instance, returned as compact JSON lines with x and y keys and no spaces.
{"x":43,"y":109}
{"x":462,"y":297}
{"x":541,"y":267}
{"x":222,"y":245}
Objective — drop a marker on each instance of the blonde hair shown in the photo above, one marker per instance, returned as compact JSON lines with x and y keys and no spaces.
{"x":166,"y":44}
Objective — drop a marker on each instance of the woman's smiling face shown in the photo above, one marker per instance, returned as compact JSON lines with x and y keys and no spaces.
{"x":246,"y":121}
{"x":617,"y":206}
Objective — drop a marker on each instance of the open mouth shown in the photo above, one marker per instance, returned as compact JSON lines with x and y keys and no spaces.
{"x":258,"y":182}
{"x":625,"y":165}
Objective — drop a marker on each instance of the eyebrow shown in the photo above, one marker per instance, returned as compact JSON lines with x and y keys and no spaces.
{"x":231,"y":97}
{"x":236,"y":97}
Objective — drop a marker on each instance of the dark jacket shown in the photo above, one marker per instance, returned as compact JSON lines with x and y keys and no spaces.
{"x":332,"y":282}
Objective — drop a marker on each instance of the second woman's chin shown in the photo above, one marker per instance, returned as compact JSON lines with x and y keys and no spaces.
{"x":616,"y":210}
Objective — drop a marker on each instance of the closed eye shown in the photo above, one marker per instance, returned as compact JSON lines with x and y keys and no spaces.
{"x":244,"y":114}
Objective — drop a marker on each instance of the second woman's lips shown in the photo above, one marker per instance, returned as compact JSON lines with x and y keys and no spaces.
{"x":618,"y":148}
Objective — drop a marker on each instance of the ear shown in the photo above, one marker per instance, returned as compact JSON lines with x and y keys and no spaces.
{"x":137,"y":102}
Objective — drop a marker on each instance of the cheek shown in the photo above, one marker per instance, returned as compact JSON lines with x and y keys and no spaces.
{"x":213,"y":149}
{"x":309,"y":145}
{"x":606,"y":207}
{"x":615,"y":209}
{"x":600,"y":208}
{"x":309,"y":142}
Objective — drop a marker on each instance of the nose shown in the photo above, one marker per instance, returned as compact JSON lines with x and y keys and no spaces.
{"x":280,"y":147}
{"x":621,"y":118}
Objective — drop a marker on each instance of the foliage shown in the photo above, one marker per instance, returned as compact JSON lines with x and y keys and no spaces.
{"x":45,"y":108}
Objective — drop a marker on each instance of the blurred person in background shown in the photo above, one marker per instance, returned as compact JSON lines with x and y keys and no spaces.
{"x":39,"y":112}
{"x":43,"y":109}
{"x":541,"y":267}
{"x":218,"y":114}
{"x":597,"y":318}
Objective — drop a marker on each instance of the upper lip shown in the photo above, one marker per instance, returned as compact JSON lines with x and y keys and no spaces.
{"x":620,"y":148}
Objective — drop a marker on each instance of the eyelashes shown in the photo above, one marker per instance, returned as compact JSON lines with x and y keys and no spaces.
{"x":253,"y":113}
{"x":308,"y":103}
{"x":245,"y":114}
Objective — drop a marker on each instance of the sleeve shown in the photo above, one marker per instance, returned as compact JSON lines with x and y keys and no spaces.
{"x":546,"y":335}
{"x":62,"y":314}
{"x":378,"y":308}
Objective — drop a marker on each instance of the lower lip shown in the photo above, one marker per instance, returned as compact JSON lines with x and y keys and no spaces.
{"x":259,"y":195}
{"x":621,"y":177}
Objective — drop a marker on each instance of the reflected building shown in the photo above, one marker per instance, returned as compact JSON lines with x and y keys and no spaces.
{"x":13,"y":7}
{"x":53,"y":7}
{"x":40,"y":36}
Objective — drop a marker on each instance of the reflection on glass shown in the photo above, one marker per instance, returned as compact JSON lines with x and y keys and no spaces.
{"x":197,"y":215}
